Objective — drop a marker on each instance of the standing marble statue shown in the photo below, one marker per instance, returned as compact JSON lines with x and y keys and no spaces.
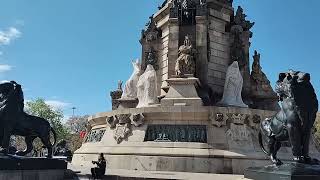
{"x":147,"y":88}
{"x":233,"y":87}
{"x":130,"y":88}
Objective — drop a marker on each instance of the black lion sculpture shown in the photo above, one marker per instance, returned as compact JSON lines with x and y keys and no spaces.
{"x":14,"y":121}
{"x":295,"y":120}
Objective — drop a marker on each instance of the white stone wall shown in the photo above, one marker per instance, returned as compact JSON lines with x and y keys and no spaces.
{"x":163,"y":56}
{"x":219,"y":50}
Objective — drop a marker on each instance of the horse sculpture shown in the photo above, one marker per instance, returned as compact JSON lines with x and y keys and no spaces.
{"x":295,"y":120}
{"x":14,"y":121}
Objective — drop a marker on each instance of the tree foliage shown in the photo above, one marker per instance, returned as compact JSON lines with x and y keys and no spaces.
{"x":76,"y":125}
{"x":39,"y":108}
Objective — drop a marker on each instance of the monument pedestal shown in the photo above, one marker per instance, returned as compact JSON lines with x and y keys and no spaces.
{"x":128,"y":103}
{"x":182,"y":92}
{"x":19,"y":168}
{"x":290,"y":171}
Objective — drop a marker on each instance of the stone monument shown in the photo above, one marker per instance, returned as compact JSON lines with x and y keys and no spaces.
{"x":182,"y":89}
{"x":191,"y":44}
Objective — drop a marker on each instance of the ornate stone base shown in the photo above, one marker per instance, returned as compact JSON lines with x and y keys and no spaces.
{"x":182,"y":92}
{"x":127,"y":103}
{"x":179,"y":138}
{"x":290,"y":171}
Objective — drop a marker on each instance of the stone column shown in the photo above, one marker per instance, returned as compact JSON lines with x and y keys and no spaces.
{"x":202,"y":49}
{"x":246,"y":70}
{"x":173,"y":46}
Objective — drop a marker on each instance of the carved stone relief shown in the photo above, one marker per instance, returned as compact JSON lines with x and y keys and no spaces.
{"x":151,"y":32}
{"x":112,"y":121}
{"x":115,"y":95}
{"x":225,"y":119}
{"x":122,"y":125}
{"x":151,"y":58}
{"x":218,"y":119}
{"x":238,"y":118}
{"x":260,"y":81}
{"x":121,"y":132}
{"x":137,"y":120}
{"x":255,"y":121}
{"x":238,"y":133}
{"x":123,"y":118}
{"x":240,"y":19}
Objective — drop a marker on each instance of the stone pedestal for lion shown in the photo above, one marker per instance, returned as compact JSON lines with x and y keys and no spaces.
{"x":20,"y":168}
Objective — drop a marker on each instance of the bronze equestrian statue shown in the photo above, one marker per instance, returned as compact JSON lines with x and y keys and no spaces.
{"x":295,"y":120}
{"x":14,"y":121}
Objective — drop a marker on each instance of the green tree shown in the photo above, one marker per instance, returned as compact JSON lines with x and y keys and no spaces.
{"x":39,"y":108}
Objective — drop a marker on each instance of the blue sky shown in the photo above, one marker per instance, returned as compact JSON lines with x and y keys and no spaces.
{"x":72,"y":53}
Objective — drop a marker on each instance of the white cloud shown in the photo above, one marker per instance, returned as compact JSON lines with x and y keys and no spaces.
{"x":5,"y":68}
{"x":57,"y":104}
{"x":4,"y":81}
{"x":7,"y":36}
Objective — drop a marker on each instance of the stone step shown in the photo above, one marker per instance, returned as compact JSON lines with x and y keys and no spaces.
{"x":120,"y":174}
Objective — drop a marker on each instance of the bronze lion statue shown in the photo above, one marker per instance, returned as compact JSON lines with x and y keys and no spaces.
{"x":295,"y":120}
{"x":14,"y":121}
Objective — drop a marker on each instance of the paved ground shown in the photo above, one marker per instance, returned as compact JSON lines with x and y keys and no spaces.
{"x":117,"y":174}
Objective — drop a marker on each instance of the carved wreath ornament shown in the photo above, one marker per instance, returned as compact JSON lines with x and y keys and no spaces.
{"x":221,"y":119}
{"x":122,"y":125}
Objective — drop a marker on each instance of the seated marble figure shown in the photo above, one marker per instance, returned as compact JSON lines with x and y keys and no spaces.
{"x":147,"y":88}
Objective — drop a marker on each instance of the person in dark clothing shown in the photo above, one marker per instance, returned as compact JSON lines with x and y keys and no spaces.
{"x":99,"y":171}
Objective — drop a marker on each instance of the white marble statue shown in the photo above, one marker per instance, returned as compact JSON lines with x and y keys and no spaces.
{"x":233,"y":87}
{"x":147,"y":88}
{"x":130,"y":88}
